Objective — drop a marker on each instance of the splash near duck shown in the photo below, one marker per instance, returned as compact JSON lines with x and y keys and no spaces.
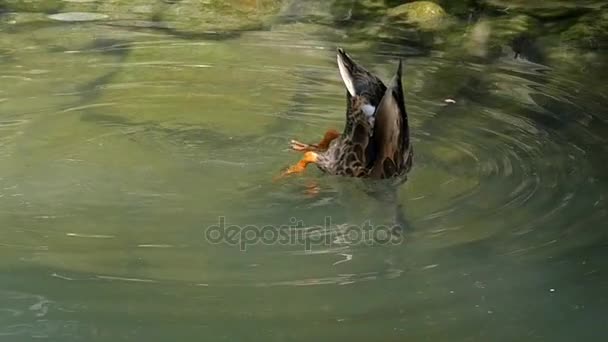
{"x":375,"y":142}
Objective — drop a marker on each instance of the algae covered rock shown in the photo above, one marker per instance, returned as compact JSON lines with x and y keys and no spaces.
{"x":490,"y":37}
{"x":552,"y":9}
{"x":193,"y":16}
{"x":9,"y":20}
{"x":45,"y":6}
{"x":197,"y":16}
{"x":188,"y":16}
{"x":478,"y":37}
{"x":590,"y":32}
{"x":425,"y":14}
{"x":461,"y":8}
{"x":77,"y":16}
{"x":29,"y":11}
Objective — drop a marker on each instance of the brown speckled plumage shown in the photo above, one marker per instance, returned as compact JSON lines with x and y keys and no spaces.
{"x":375,"y":142}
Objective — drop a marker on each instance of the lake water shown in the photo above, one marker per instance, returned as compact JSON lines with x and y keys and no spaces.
{"x":124,"y":140}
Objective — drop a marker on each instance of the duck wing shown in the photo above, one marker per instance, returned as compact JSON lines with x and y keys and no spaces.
{"x":391,"y":136}
{"x":359,"y":83}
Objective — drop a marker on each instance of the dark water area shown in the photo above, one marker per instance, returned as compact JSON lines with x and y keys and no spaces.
{"x":137,"y":136}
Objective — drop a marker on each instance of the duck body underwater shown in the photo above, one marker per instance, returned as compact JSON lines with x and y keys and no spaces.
{"x":375,"y":143}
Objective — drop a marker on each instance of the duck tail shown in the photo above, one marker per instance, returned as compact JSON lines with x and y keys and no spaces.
{"x":357,"y":79}
{"x":397,"y":88}
{"x":348,"y":70}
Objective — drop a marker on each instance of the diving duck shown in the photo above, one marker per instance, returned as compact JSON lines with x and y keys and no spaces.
{"x":375,"y":142}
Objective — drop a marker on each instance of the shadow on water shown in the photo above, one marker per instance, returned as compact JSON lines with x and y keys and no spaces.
{"x":160,"y":27}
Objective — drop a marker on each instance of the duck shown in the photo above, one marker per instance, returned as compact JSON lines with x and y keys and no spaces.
{"x":375,"y":142}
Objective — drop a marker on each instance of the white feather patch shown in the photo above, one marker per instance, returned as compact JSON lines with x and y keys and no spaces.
{"x":348,"y":81}
{"x":369,"y":112}
{"x":368,"y":109}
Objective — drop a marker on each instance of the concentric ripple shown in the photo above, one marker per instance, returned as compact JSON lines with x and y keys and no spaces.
{"x":117,"y":162}
{"x":513,"y":163}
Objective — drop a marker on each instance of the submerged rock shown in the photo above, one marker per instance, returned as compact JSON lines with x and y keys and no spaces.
{"x":490,"y":38}
{"x":462,"y":8}
{"x":590,"y":32}
{"x":516,"y":32}
{"x":46,"y":6}
{"x":194,"y":16}
{"x":478,"y":37}
{"x":425,"y":14}
{"x":299,"y":10}
{"x":78,"y":16}
{"x":551,"y":9}
{"x":509,"y":27}
{"x":21,"y":18}
{"x":186,"y":17}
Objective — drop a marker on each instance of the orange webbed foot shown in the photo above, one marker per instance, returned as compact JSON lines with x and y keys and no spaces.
{"x":310,"y":152}
{"x":323,"y":145}
{"x":302,"y":147}
{"x":309,"y":157}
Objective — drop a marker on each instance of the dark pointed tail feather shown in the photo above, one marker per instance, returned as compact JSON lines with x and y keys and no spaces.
{"x":397,"y":88}
{"x":348,"y":62}
{"x":359,"y":80}
{"x":399,"y":68}
{"x":351,"y":73}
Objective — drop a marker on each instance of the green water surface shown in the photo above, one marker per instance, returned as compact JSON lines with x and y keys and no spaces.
{"x":127,"y":130}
